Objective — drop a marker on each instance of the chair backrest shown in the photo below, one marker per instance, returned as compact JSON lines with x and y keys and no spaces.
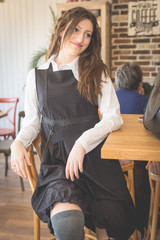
{"x":32,"y":170}
{"x":21,"y":114}
{"x":11,"y":117}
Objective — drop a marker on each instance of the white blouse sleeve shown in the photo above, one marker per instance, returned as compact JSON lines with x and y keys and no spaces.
{"x":111,"y":118}
{"x":31,"y":122}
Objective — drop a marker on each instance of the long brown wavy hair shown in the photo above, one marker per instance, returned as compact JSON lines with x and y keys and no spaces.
{"x":91,"y":66}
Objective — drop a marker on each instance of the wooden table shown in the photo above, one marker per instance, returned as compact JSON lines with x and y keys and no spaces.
{"x":3,"y":114}
{"x":132,"y":142}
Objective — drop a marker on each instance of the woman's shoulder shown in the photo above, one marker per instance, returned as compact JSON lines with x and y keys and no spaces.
{"x":31,"y":73}
{"x":44,"y":66}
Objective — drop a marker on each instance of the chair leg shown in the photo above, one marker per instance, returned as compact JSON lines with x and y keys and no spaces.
{"x":134,"y":235}
{"x":132,"y":192}
{"x":6,"y":164}
{"x":86,"y":231}
{"x":150,"y":218}
{"x":22,"y":183}
{"x":88,"y":235}
{"x":155,"y":211}
{"x":131,"y":181}
{"x":36,"y":227}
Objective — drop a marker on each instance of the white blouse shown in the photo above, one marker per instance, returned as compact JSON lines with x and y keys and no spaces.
{"x":108,"y":105}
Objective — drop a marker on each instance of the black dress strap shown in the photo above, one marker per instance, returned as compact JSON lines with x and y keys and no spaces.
{"x":65,"y":122}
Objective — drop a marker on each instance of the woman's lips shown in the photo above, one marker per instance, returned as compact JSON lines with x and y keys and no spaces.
{"x":77,"y":44}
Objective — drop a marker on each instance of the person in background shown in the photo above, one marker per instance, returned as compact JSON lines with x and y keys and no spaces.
{"x":130,"y":91}
{"x":132,"y":99}
{"x":75,"y":187}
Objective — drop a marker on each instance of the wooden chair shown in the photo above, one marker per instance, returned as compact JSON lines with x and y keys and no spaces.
{"x":128,"y":167}
{"x":154,"y":212}
{"x":11,"y":117}
{"x":32,"y":176}
{"x":5,"y":149}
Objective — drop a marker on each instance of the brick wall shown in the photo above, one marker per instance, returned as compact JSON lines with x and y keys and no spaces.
{"x":144,"y":50}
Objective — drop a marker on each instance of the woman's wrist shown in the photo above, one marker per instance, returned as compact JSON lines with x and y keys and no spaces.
{"x":16,"y":143}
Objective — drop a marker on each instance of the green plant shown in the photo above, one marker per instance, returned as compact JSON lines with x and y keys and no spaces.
{"x":42,"y":52}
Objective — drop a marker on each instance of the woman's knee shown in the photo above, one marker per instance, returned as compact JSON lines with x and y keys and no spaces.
{"x":68,"y":225}
{"x":60,"y":207}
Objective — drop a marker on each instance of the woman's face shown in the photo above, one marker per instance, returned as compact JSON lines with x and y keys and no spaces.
{"x":79,"y":39}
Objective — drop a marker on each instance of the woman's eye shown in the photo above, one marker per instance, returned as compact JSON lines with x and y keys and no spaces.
{"x":75,"y":29}
{"x":88,"y":35}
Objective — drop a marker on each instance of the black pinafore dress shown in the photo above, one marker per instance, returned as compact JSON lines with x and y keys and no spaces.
{"x":101,"y":190}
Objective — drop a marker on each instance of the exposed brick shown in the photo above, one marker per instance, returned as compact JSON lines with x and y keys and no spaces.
{"x":156,"y":40}
{"x":145,"y":57}
{"x":121,"y":40}
{"x":141,"y":52}
{"x":148,"y":69}
{"x":121,"y":30}
{"x":123,"y":1}
{"x":145,"y":74}
{"x":143,"y":63}
{"x":114,"y":35}
{"x":119,"y":63}
{"x":154,"y":74}
{"x":115,"y":58}
{"x":124,"y":12}
{"x":156,"y":51}
{"x":121,"y":6}
{"x":123,"y":35}
{"x":114,"y":1}
{"x":128,"y":57}
{"x":115,"y":13}
{"x":155,"y":58}
{"x":123,"y":24}
{"x":114,"y":46}
{"x":114,"y":24}
{"x":120,"y":18}
{"x":127,"y":46}
{"x":120,"y":52}
{"x":126,"y":1}
{"x":145,"y":46}
{"x":156,"y":63}
{"x":141,"y":40}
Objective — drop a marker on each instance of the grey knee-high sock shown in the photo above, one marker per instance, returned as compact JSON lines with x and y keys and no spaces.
{"x":68,"y":225}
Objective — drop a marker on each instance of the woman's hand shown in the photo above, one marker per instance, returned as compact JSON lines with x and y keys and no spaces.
{"x":18,"y":153}
{"x":75,"y":161}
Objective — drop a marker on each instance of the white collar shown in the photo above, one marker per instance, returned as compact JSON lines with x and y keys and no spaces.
{"x":72,"y":65}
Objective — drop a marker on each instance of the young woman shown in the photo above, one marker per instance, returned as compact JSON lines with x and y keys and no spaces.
{"x":75,"y":186}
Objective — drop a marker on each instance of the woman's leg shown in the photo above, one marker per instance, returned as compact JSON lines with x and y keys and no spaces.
{"x":67,"y":221}
{"x":114,"y":216}
{"x":60,"y":207}
{"x":101,"y":234}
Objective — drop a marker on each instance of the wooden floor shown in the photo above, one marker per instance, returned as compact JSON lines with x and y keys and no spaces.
{"x":16,"y":217}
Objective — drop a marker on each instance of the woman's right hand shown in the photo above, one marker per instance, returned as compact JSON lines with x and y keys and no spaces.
{"x":18,"y":154}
